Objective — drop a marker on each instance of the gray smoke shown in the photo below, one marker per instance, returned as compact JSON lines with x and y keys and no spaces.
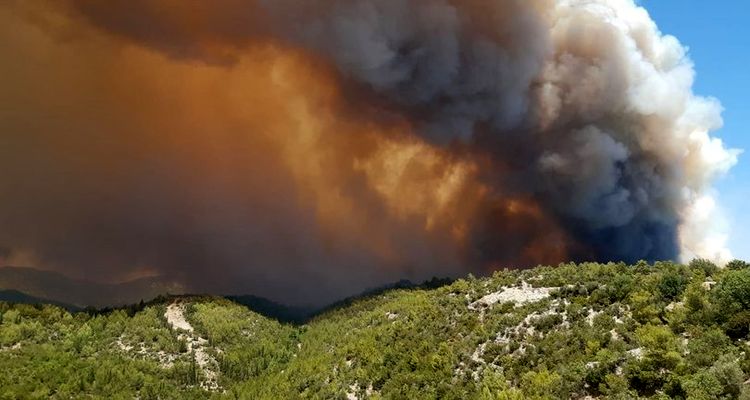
{"x":597,"y":99}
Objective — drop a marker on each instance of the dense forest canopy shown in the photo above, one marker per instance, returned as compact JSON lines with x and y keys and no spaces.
{"x":600,"y":330}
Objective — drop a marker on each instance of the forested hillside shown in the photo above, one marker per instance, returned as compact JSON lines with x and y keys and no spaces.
{"x":572,"y":331}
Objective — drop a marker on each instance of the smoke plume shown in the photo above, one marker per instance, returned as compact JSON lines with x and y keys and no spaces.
{"x":307,"y":150}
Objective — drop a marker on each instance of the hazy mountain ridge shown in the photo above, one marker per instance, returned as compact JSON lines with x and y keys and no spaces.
{"x":16,"y":297}
{"x":82,"y":293}
{"x":572,"y":331}
{"x":36,"y":286}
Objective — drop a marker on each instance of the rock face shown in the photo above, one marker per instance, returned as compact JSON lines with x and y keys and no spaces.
{"x":516,"y":295}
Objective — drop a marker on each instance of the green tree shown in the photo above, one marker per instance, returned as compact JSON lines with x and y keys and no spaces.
{"x":708,"y":268}
{"x":731,"y":298}
{"x":671,"y":285}
{"x":737,"y":265}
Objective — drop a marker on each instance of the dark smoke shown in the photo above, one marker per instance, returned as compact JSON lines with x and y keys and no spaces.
{"x":581,"y":110}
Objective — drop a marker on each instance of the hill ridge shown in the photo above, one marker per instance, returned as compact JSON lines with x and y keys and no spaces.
{"x":572,"y":331}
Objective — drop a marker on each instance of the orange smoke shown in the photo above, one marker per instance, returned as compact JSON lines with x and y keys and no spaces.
{"x":258,"y":171}
{"x":436,"y":192}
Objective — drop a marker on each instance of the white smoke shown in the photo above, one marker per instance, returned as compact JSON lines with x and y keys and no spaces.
{"x":678,"y":123}
{"x":654,"y":92}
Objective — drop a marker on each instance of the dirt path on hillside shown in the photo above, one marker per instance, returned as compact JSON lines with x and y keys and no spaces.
{"x":175,"y":316}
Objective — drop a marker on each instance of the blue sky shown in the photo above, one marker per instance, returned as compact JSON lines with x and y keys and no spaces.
{"x":717,"y":32}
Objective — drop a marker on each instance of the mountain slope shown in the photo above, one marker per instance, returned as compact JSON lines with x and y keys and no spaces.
{"x":573,"y":331}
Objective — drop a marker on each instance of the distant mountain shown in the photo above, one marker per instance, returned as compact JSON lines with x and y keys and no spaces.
{"x":299,"y":315}
{"x":277,"y":311}
{"x":14,"y":296}
{"x":433,"y":283}
{"x":82,"y":293}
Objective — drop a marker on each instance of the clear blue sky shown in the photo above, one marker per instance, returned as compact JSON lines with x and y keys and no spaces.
{"x":717,"y":32}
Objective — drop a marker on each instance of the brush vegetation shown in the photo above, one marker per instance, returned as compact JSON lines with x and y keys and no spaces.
{"x":582,"y":331}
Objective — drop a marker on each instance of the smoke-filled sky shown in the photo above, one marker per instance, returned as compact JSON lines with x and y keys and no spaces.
{"x":305,"y":151}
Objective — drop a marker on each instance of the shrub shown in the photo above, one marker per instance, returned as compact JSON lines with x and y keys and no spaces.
{"x":729,"y":375}
{"x":542,"y":384}
{"x":702,"y":385}
{"x":707,"y":347}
